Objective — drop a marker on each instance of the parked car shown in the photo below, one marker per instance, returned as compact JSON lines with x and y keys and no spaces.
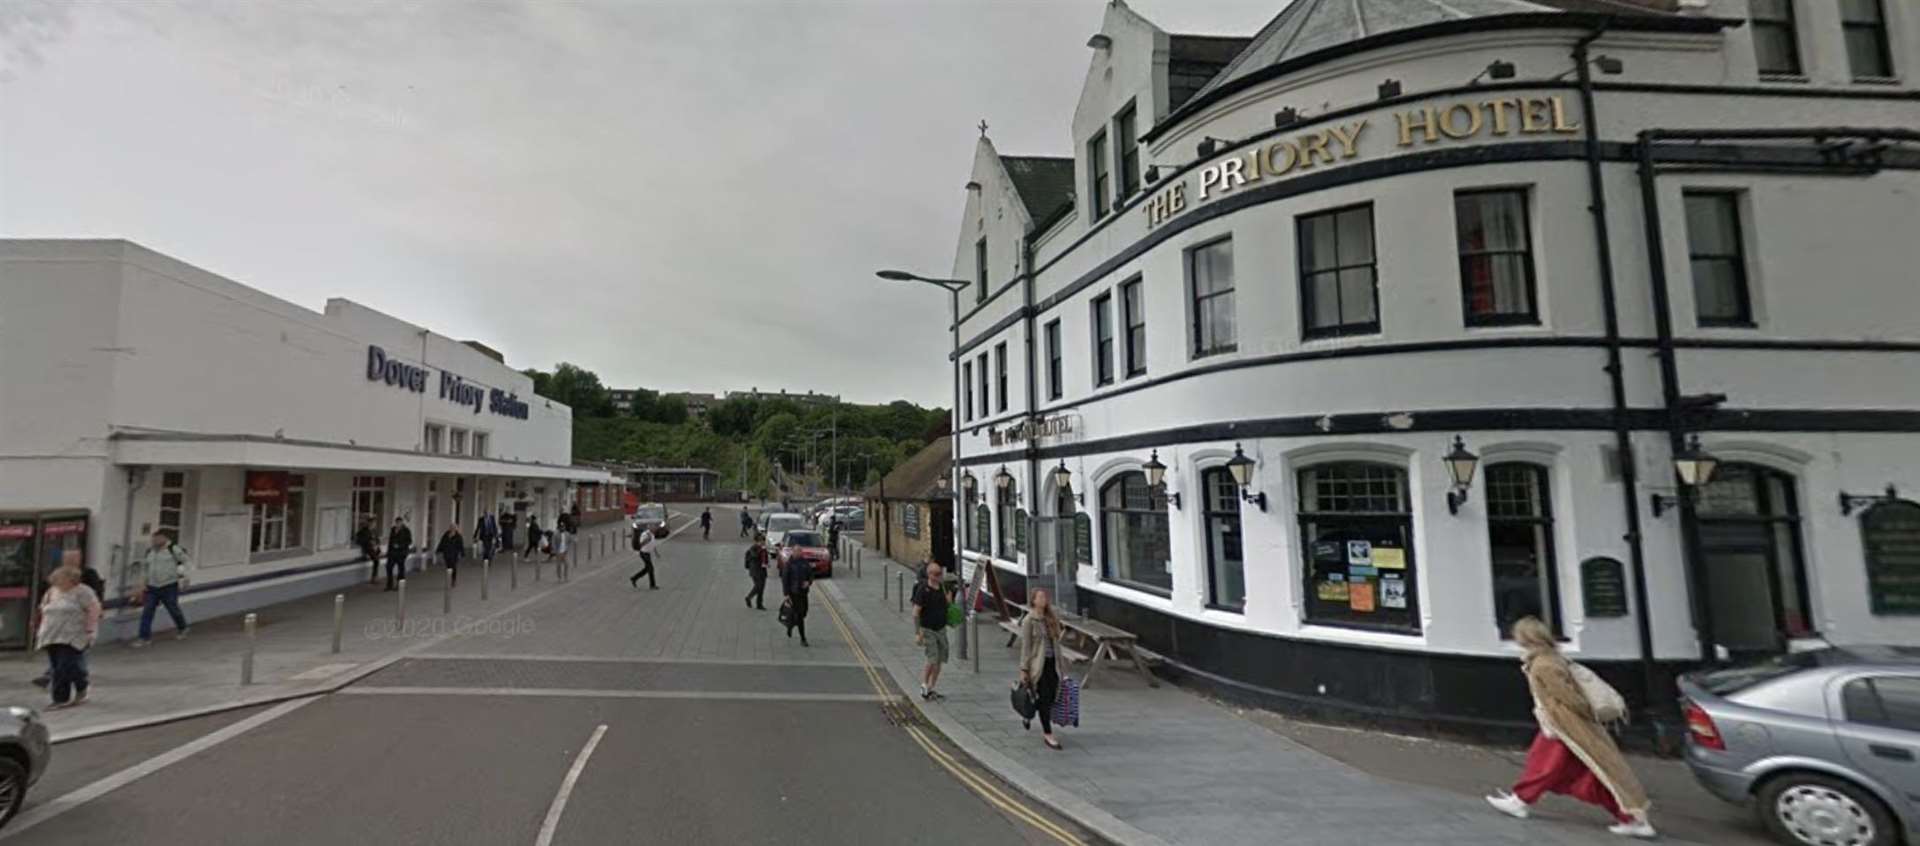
{"x":24,"y":753}
{"x":837,"y":512}
{"x":855,"y":521}
{"x":812,"y":546}
{"x":1826,"y":744}
{"x":776,"y":524}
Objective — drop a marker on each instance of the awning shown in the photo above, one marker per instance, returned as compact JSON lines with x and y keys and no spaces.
{"x":188,"y":450}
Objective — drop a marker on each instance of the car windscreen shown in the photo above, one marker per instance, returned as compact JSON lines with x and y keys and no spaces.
{"x":1733,"y":679}
{"x":804,"y":539}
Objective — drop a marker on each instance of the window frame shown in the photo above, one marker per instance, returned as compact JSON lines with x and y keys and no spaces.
{"x":1006,"y":503}
{"x":980,"y":270}
{"x":433,"y":438}
{"x":1738,"y":259}
{"x":1401,"y":520}
{"x":1133,"y":307}
{"x":1882,"y":38}
{"x":1126,"y":153}
{"x":1000,"y":374}
{"x":1157,"y":509}
{"x":1531,"y":317}
{"x":1055,"y":360}
{"x":1208,"y":516}
{"x":966,"y":379}
{"x":481,"y":439}
{"x":1543,"y":524}
{"x":1791,"y":24}
{"x":290,"y":517}
{"x":986,"y":390}
{"x":1198,"y":302}
{"x":1099,"y":176}
{"x":1340,"y":330}
{"x":1103,"y":340}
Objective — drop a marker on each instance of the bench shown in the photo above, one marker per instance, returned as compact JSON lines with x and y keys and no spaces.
{"x":1089,"y":642}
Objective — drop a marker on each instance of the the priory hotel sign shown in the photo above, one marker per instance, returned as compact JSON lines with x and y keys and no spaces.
{"x":452,"y":388}
{"x":1340,"y":142}
{"x":1032,"y":429}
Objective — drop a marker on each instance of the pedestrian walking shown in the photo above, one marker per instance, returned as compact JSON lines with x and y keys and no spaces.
{"x":534,"y":535}
{"x":452,"y":548}
{"x":796,"y":578}
{"x":833,"y":539}
{"x":930,"y":627}
{"x":69,"y":623}
{"x":557,"y":543}
{"x":367,"y":539}
{"x":706,"y":524}
{"x":399,"y":546}
{"x":487,"y":532}
{"x":746,"y":523}
{"x":644,"y":543}
{"x":162,"y":573}
{"x":1572,"y":753}
{"x":89,"y":577}
{"x":509,"y":523}
{"x":757,"y":571}
{"x":1039,"y":646}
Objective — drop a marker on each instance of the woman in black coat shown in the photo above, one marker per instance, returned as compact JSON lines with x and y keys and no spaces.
{"x":452,"y":548}
{"x":796,"y":577}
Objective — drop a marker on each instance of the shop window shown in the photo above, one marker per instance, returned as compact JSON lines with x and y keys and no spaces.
{"x":1210,"y":280}
{"x":370,"y":500}
{"x":1054,"y":386}
{"x":1103,"y":340}
{"x":980,"y":270}
{"x":1000,"y":372}
{"x":1135,"y":546}
{"x":966,"y":370}
{"x":434,"y":439}
{"x":1890,"y":534}
{"x":480,"y":445}
{"x":174,"y":505}
{"x":1863,"y":23}
{"x":1520,"y":537}
{"x":1226,"y":570}
{"x":1338,"y":281}
{"x":456,"y":442}
{"x":1496,"y":257}
{"x":1097,"y":177}
{"x":1006,"y":504}
{"x":1134,"y":311}
{"x":1776,"y":42}
{"x":1717,"y":259}
{"x":1885,"y":701}
{"x":281,"y":526}
{"x":1357,"y":527}
{"x":1127,"y":133}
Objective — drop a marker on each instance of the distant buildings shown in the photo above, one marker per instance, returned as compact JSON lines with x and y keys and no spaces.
{"x":808,"y":398}
{"x":699,"y":404}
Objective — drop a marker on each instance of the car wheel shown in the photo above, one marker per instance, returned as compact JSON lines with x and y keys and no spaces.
{"x":13,"y":788}
{"x":1817,"y":810}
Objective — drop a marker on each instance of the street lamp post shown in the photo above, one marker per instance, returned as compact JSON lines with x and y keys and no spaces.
{"x":953,"y":287}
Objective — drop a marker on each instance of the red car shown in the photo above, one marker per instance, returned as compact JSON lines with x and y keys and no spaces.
{"x":811,"y":546}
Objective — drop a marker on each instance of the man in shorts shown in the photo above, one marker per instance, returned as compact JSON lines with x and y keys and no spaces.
{"x":930,"y":628}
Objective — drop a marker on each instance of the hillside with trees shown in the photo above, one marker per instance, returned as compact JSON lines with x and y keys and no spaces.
{"x":741,"y":438}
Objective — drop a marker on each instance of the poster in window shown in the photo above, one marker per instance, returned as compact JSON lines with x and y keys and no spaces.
{"x":266,"y":487}
{"x":1359,"y":552}
{"x":1389,"y":558}
{"x":1331,"y":591}
{"x":1327,"y":552}
{"x":1393,"y":593}
{"x":1360,"y":597}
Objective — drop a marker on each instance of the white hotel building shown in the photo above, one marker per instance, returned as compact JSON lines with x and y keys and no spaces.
{"x":140,"y":393}
{"x":1376,"y":226}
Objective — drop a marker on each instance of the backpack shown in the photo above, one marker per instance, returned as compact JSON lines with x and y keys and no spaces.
{"x":636,"y":538}
{"x":1608,"y":705}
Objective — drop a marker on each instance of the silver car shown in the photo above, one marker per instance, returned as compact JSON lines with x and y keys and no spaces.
{"x":24,"y":752}
{"x":1826,"y":744}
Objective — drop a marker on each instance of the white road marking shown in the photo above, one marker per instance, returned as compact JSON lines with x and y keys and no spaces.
{"x":586,"y":693}
{"x":559,"y":806}
{"x":629,"y":659}
{"x":34,"y":816}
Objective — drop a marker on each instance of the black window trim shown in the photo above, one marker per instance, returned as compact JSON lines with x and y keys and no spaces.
{"x":1792,"y":25}
{"x":1532,"y":315}
{"x":1305,"y":574}
{"x":1103,"y":367}
{"x":1000,"y":374}
{"x":1194,"y":351}
{"x":1207,"y":515}
{"x":1746,"y":319}
{"x":986,"y":392}
{"x":1883,"y":41}
{"x":1122,"y":173}
{"x":1056,"y":360}
{"x":966,"y":375}
{"x":1098,"y":149}
{"x":1106,"y":541}
{"x":1126,"y":327}
{"x":1344,"y":330}
{"x":980,"y":270}
{"x":1551,"y":562}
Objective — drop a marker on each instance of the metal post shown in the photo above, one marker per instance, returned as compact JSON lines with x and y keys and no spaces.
{"x":883,"y":585}
{"x":486,"y":576}
{"x":513,"y":574}
{"x":339,"y":619}
{"x":900,"y":589}
{"x":963,"y":638}
{"x":446,"y":596}
{"x":246,"y":659}
{"x":400,"y":606}
{"x":536,"y":567}
{"x":973,"y":633}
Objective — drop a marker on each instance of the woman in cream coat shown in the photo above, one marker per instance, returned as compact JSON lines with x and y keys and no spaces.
{"x":1039,"y":644}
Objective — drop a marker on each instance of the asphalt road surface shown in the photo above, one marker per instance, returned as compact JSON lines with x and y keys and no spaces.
{"x":606,"y":714}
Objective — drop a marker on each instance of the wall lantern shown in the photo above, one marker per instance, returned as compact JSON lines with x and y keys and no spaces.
{"x":1390,"y":89}
{"x":1003,"y":478}
{"x":1241,"y":468}
{"x":1849,"y":502}
{"x":1695,"y":467}
{"x":1460,"y":466}
{"x":1063,"y":480}
{"x":1157,"y":479}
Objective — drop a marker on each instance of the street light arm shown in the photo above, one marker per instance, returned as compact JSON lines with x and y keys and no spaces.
{"x":903,"y":276}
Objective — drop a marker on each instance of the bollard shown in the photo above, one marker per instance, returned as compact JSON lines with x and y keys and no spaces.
{"x":963,"y":639}
{"x":900,"y":589}
{"x":246,"y":659}
{"x":339,"y":619}
{"x":883,"y":586}
{"x":486,"y":576}
{"x":446,"y":596}
{"x":513,"y":574}
{"x":973,"y":633}
{"x":536,"y":569}
{"x":400,"y":606}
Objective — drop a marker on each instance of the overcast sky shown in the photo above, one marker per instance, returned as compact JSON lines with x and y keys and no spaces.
{"x":685,"y":196}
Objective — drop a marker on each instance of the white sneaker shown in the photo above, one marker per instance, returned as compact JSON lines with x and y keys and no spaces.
{"x":1508,"y":804}
{"x":1638,"y":828}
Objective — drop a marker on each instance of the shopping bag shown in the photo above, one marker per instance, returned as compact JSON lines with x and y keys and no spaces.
{"x":1066,"y":703}
{"x":786,"y":613}
{"x":1024,"y":702}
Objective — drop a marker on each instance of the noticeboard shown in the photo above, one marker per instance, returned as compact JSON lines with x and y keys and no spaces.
{"x":1083,"y":540}
{"x":910,"y":520}
{"x":1890,"y":536}
{"x":1603,"y":587}
{"x":1020,"y":530}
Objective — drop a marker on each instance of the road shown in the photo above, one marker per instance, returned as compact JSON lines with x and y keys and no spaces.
{"x":598,"y":714}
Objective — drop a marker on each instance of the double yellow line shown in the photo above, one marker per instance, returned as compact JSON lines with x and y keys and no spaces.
{"x":981,"y":786}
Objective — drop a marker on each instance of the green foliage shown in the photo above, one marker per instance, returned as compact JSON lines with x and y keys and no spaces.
{"x":576,"y":386}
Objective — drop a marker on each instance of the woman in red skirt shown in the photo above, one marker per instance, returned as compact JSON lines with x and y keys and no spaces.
{"x":1573,"y":754}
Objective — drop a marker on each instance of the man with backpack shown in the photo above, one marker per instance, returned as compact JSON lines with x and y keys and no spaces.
{"x":757,"y":570}
{"x":643,"y":543}
{"x":488,"y":534}
{"x":162,"y":573}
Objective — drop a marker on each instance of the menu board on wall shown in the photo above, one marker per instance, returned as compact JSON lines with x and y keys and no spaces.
{"x":910,"y":520}
{"x":1603,"y":587}
{"x":1020,"y":530}
{"x":1890,"y":535}
{"x":1083,"y":539}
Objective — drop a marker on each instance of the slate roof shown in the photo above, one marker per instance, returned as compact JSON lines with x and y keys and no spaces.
{"x":1193,"y":60}
{"x":1044,"y":183}
{"x":918,"y":478}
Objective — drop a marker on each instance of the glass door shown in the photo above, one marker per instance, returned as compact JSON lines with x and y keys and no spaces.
{"x":17,"y":583}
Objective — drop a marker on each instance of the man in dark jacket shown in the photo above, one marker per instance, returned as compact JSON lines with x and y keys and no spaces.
{"x":399,"y":545}
{"x":369,"y":546}
{"x":757,"y":570}
{"x":452,"y":548}
{"x":509,"y":523}
{"x":533,"y":535}
{"x":488,"y":534}
{"x":796,"y":578}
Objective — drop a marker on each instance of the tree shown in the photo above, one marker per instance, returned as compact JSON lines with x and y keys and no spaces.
{"x":579,"y":388}
{"x":643,"y":404}
{"x":671,"y":410}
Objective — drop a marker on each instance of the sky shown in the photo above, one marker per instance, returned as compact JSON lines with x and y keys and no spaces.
{"x":675,"y":195}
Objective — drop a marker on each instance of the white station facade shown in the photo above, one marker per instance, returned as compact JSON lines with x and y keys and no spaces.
{"x":1379,"y":233}
{"x":140,"y":393}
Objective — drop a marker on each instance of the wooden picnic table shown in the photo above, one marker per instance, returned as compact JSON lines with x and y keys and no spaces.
{"x":1090,"y":642}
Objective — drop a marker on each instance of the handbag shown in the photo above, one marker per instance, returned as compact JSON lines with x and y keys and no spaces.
{"x":786,"y":613}
{"x":956,"y":615}
{"x":1066,"y":703}
{"x":1607,"y":704}
{"x":1025,"y":701}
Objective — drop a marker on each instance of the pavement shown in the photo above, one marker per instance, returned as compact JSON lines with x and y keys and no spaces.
{"x":585,"y":712}
{"x":1164,"y":765}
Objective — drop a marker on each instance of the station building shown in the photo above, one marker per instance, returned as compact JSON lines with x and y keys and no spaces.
{"x":1578,"y":246}
{"x":140,"y":393}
